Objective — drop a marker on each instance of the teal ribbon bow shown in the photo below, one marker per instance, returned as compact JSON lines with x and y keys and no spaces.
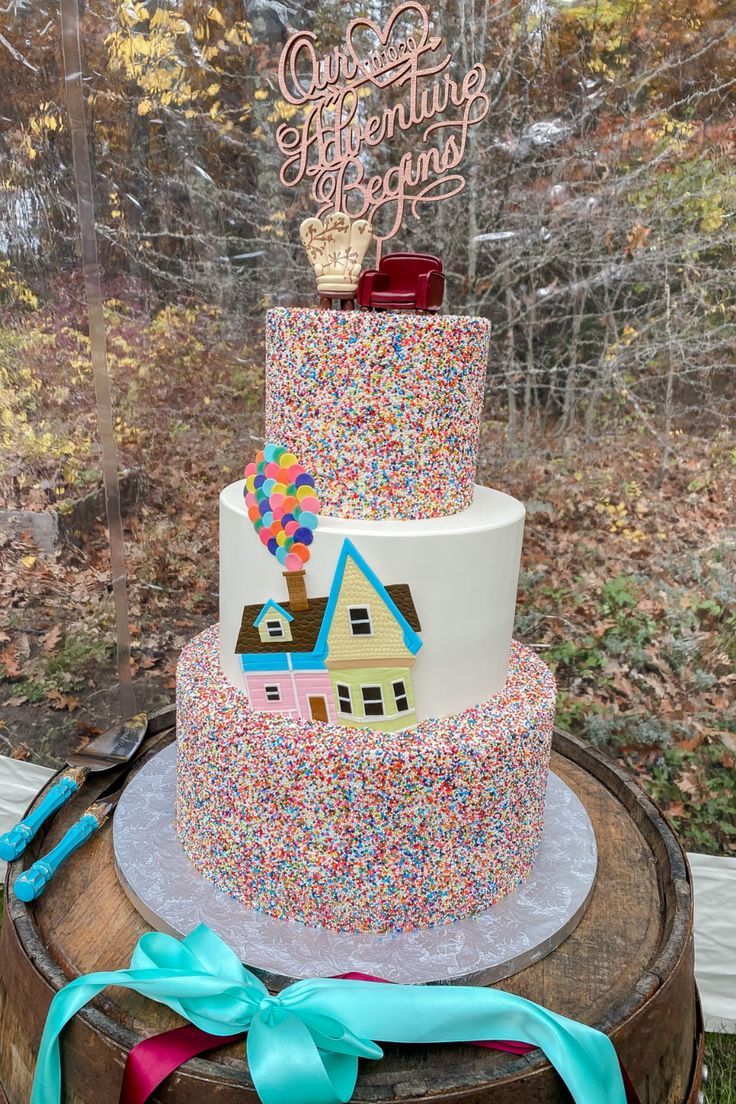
{"x":303,"y":1045}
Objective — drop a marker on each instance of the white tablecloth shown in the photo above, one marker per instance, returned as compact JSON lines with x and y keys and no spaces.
{"x":714,"y":879}
{"x":19,"y":784}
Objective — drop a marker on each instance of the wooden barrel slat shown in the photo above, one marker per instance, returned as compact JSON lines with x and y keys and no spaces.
{"x":627,"y":968}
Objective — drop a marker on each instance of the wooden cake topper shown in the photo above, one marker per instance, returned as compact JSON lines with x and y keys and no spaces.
{"x":336,"y":248}
{"x":344,"y":120}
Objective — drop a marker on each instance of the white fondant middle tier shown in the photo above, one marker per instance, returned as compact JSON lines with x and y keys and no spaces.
{"x":462,"y":571}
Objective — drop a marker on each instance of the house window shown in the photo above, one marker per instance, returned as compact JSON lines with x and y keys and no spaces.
{"x":372,"y":701}
{"x":344,"y":700}
{"x":275,"y":630}
{"x":401,"y":697}
{"x":273,"y":693}
{"x":360,"y":620}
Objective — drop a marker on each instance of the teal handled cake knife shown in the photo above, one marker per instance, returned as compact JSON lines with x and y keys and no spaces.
{"x":112,"y":749}
{"x":32,"y":882}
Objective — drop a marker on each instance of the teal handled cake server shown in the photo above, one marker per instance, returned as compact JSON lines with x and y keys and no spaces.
{"x":113,"y":748}
{"x":32,"y":882}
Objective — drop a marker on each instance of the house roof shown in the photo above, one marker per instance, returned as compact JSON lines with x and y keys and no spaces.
{"x":401,"y":596}
{"x":310,"y":628}
{"x":304,"y":625}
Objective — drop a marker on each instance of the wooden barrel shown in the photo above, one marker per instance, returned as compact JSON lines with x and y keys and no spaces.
{"x":627,"y":969}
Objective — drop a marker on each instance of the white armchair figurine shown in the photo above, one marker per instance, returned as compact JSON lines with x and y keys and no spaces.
{"x":336,"y":248}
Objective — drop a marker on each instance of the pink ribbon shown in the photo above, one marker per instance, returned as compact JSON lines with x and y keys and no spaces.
{"x":150,"y":1062}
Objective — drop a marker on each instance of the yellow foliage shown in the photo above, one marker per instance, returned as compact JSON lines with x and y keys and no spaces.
{"x":47,"y":120}
{"x":283,"y":111}
{"x":13,"y":290}
{"x":713,"y":213}
{"x":239,"y":34}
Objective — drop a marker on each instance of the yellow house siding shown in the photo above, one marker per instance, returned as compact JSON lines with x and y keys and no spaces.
{"x":387,"y":639}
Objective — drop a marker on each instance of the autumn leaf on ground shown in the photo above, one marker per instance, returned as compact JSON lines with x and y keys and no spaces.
{"x":690,"y":785}
{"x":16,"y":700}
{"x":9,"y":660}
{"x":693,"y":743}
{"x":52,"y":638}
{"x":57,"y":700}
{"x":636,"y":237}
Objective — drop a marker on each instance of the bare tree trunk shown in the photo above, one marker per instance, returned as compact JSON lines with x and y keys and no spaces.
{"x":511,"y":373}
{"x":529,"y":381}
{"x":569,"y":405}
{"x":603,"y":372}
{"x":667,"y":450}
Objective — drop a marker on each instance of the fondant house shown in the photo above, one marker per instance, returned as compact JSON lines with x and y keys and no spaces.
{"x":346,"y":658}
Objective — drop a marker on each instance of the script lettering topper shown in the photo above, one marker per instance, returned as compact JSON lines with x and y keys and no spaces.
{"x":342,"y":124}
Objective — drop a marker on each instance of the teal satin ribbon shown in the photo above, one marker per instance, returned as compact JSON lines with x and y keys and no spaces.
{"x":304,"y":1044}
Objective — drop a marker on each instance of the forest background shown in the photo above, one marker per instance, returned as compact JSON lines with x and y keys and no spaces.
{"x":596,"y":232}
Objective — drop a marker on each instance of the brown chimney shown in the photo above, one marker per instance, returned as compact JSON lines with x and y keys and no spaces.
{"x":298,"y":600}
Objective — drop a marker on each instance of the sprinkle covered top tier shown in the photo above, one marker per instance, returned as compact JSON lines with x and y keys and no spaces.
{"x":383,"y":408}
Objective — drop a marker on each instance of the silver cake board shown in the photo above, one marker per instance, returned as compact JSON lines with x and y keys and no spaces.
{"x":522,"y":928}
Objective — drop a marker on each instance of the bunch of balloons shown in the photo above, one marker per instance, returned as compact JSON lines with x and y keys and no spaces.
{"x":282,"y":504}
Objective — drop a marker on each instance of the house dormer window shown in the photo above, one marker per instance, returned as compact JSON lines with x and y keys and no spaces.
{"x":372,"y":701}
{"x":273,"y":623}
{"x":360,"y":621}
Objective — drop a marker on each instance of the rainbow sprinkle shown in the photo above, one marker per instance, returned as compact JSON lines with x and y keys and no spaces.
{"x":356,"y":830}
{"x":383,"y":409}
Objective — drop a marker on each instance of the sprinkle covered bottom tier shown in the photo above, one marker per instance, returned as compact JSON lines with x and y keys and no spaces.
{"x":383,"y":409}
{"x":355,"y":830}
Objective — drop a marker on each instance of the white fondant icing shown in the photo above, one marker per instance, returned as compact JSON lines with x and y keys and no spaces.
{"x":462,"y":569}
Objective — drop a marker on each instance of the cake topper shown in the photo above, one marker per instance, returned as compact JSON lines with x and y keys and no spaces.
{"x":336,"y":248}
{"x":344,"y":120}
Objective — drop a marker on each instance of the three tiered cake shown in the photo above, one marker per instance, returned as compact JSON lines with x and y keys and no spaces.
{"x":361,"y":746}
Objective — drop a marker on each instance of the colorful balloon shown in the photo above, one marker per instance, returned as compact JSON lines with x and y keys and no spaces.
{"x":282,"y":504}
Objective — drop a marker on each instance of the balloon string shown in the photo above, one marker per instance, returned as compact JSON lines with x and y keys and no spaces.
{"x":97,"y":340}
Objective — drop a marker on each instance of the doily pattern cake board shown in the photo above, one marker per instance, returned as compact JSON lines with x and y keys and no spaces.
{"x":481,"y":950}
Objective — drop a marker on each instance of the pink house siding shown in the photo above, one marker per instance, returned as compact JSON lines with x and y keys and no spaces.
{"x":257,"y":684}
{"x":315,"y":684}
{"x":308,"y":684}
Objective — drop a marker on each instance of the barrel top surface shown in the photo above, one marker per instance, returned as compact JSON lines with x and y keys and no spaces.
{"x":635,"y":930}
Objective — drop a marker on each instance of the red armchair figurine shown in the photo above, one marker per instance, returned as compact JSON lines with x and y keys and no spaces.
{"x":403,"y":281}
